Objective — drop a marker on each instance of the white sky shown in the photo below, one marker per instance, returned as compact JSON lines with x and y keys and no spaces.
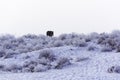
{"x":20,"y":17}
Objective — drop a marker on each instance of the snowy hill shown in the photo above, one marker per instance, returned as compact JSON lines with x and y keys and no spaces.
{"x":93,"y":68}
{"x":67,"y":57}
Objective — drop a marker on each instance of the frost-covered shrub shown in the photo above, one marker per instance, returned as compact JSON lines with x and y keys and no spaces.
{"x":29,"y":63}
{"x":91,"y":48}
{"x":6,"y":37}
{"x":7,"y":46}
{"x":79,"y":59}
{"x":22,"y":50}
{"x":110,"y":70}
{"x":26,"y":70}
{"x":93,"y":35}
{"x":13,"y":68}
{"x":40,"y":68}
{"x":1,"y":66}
{"x":68,"y":36}
{"x":58,"y":43}
{"x":2,"y":53}
{"x":44,"y":61}
{"x":73,"y":35}
{"x":10,"y":54}
{"x":114,"y":69}
{"x":37,"y":47}
{"x":64,"y":36}
{"x":106,"y":49}
{"x":47,"y":54}
{"x":20,"y":40}
{"x":87,"y":39}
{"x":118,"y":49}
{"x":102,"y":38}
{"x":29,"y":66}
{"x":115,"y":33}
{"x":30,"y":36}
{"x":79,"y":43}
{"x":68,"y":42}
{"x":111,"y":42}
{"x":61,"y":62}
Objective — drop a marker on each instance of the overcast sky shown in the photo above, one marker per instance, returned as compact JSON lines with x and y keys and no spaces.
{"x":20,"y":17}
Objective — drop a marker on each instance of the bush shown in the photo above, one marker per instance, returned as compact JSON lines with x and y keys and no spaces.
{"x":63,"y":36}
{"x":58,"y":43}
{"x":93,"y":35}
{"x":111,"y":42}
{"x":40,"y":68}
{"x":114,"y":69}
{"x":61,"y":62}
{"x":29,"y":63}
{"x":13,"y":68}
{"x":118,"y":49}
{"x":44,"y":61}
{"x":106,"y":49}
{"x":92,"y":48}
{"x":1,"y":66}
{"x":26,"y":70}
{"x":47,"y":54}
{"x":110,"y":70}
{"x":102,"y":38}
{"x":30,"y":36}
{"x":79,"y":43}
{"x":2,"y":53}
{"x":68,"y":42}
{"x":10,"y":54}
{"x":115,"y":33}
{"x":79,"y":59}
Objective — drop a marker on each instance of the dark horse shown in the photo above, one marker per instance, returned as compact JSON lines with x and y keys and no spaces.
{"x":50,"y":33}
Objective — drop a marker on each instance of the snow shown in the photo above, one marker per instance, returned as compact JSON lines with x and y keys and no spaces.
{"x":95,"y":68}
{"x":67,"y":57}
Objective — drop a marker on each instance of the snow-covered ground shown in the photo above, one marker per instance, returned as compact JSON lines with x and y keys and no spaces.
{"x":66,"y":57}
{"x":94,"y":67}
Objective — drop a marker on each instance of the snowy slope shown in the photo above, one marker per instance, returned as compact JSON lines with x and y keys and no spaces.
{"x":93,"y":68}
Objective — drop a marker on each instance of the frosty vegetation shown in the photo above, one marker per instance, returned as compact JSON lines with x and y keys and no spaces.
{"x":45,"y":60}
{"x":11,"y":46}
{"x":114,"y":69}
